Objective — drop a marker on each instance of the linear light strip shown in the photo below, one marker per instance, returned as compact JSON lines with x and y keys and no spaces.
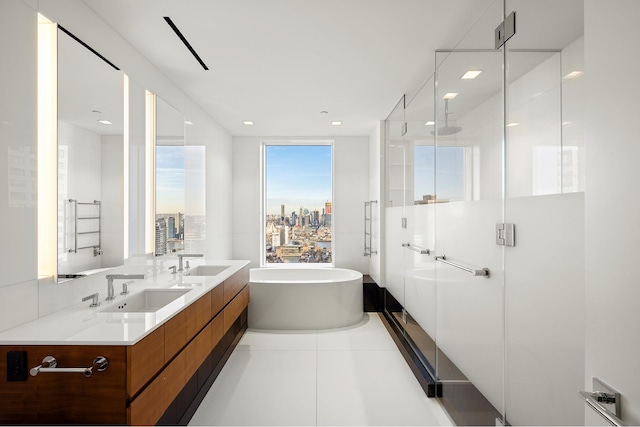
{"x":125,"y":167}
{"x":150,"y":172}
{"x":47,"y":154}
{"x":186,"y":43}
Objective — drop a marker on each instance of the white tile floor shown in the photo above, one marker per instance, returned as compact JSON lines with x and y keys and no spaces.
{"x":353,"y":376}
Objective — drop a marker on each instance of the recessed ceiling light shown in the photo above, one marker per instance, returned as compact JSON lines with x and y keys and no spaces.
{"x":471,"y":74}
{"x":567,"y":123}
{"x":430,"y":123}
{"x":247,"y":122}
{"x":512,"y":124}
{"x":450,"y":95}
{"x":105,"y":122}
{"x":336,"y":123}
{"x":188,"y":122}
{"x":574,"y":75}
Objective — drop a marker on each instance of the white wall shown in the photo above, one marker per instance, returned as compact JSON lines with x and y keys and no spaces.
{"x":375,"y":193}
{"x":351,"y":190}
{"x":612,"y":201}
{"x":18,"y":263}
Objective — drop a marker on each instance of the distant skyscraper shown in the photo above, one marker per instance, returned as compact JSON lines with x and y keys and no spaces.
{"x":281,"y":214}
{"x":171,"y":227}
{"x":161,"y":236}
{"x":327,"y":208}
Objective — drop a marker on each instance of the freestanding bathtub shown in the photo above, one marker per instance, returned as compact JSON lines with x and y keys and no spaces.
{"x":304,"y":298}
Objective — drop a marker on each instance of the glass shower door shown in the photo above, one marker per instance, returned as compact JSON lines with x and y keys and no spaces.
{"x":469,"y":136}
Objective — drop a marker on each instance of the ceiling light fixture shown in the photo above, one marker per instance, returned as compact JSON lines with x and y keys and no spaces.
{"x":105,"y":122}
{"x":188,"y":122}
{"x":512,"y":124}
{"x":336,"y":123}
{"x":471,"y":74}
{"x":450,"y":95}
{"x":247,"y":122}
{"x":430,"y":123}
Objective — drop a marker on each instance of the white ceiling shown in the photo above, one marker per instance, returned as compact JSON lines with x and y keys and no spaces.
{"x":280,"y":62}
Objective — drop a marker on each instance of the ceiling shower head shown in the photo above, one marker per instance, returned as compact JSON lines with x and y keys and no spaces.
{"x":446,"y":130}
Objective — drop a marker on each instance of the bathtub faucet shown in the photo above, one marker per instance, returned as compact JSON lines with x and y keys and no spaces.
{"x":180,"y":256}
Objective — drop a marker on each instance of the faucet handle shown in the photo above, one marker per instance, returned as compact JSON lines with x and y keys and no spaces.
{"x":94,"y":298}
{"x":173,"y":269}
{"x":187,"y":264}
{"x":125,"y":287}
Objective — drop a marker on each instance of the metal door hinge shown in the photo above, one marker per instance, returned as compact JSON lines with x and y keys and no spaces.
{"x":505,"y":234}
{"x":505,"y":30}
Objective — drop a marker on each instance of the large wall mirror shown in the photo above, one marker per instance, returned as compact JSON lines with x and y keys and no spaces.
{"x":90,"y":161}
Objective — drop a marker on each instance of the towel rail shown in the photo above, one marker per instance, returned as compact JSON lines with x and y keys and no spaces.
{"x":481,"y":272}
{"x":416,"y":249}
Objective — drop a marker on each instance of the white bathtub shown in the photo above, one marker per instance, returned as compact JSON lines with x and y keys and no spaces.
{"x":304,"y":298}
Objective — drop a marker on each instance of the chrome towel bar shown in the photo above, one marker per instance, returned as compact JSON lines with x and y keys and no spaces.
{"x":50,"y":364}
{"x":605,"y":401}
{"x":482,"y":272}
{"x":416,"y":249}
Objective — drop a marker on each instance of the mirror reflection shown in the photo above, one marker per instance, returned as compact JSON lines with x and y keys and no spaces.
{"x":90,"y":161}
{"x":170,"y":180}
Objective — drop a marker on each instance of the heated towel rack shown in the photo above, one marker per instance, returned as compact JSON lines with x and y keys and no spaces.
{"x":368,"y":227}
{"x":89,"y":214}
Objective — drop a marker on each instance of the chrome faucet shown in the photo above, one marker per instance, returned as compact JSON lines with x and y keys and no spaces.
{"x":94,"y":299}
{"x":110,"y":277}
{"x":180,"y":256}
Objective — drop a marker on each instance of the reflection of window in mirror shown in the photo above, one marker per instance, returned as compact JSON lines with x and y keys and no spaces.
{"x":170,"y":206}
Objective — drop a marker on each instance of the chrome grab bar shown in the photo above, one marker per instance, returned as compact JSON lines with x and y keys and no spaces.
{"x":416,"y":249}
{"x":605,"y":401}
{"x":482,"y":272}
{"x":50,"y":364}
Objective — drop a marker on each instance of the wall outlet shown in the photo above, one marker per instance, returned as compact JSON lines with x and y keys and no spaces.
{"x":16,"y":366}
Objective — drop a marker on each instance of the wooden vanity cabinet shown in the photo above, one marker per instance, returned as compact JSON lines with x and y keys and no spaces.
{"x":143,"y":380}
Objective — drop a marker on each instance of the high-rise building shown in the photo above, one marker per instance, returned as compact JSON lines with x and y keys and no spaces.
{"x":281,"y":214}
{"x":171,"y":227}
{"x":161,"y":236}
{"x":327,"y":208}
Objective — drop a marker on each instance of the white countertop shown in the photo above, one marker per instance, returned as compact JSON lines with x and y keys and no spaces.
{"x":83,"y":325}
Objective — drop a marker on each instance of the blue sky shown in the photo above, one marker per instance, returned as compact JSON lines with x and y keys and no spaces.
{"x":450,"y":172}
{"x":169,"y":179}
{"x":297,"y":175}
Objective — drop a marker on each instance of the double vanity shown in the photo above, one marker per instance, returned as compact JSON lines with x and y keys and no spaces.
{"x":146,"y":357}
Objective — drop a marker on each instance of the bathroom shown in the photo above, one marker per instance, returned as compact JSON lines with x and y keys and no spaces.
{"x":529,"y":336}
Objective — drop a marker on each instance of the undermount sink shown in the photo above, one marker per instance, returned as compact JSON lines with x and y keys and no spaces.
{"x":147,"y":301}
{"x":206,"y":270}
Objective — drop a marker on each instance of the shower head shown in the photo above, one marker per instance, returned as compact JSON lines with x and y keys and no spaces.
{"x":446,"y":130}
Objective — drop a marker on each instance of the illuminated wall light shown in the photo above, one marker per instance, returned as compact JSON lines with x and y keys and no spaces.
{"x":450,"y":95}
{"x":471,"y":74}
{"x":574,"y":75}
{"x":125,"y":166}
{"x":430,"y":123}
{"x":150,"y":173}
{"x":47,"y":99}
